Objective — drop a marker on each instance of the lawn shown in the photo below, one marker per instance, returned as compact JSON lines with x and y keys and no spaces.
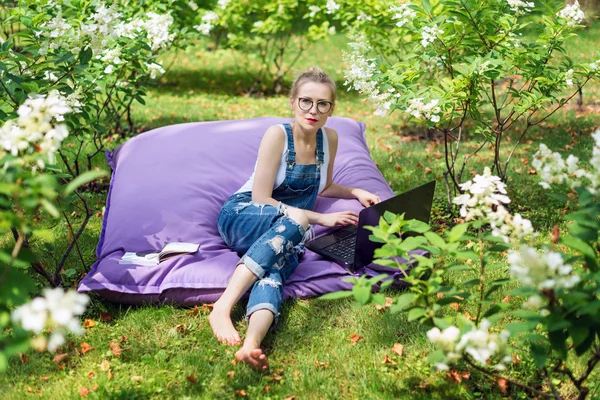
{"x":169,"y":352}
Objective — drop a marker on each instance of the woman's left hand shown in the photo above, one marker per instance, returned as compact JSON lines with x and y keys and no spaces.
{"x":366,"y":198}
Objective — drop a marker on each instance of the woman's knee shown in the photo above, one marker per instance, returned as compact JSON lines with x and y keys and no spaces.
{"x":299,"y":216}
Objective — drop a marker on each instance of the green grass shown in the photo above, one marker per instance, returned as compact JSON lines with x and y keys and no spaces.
{"x":166,"y":345}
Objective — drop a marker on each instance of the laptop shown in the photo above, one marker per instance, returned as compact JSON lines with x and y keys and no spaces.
{"x":350,"y":246}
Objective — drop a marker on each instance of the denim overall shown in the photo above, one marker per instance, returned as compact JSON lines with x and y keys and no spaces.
{"x":269,"y":240}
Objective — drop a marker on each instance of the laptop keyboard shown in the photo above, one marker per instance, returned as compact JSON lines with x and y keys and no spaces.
{"x":343,"y":249}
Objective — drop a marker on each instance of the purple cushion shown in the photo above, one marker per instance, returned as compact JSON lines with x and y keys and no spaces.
{"x":168,"y":185}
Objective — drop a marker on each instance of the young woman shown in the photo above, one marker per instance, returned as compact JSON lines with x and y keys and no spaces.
{"x":270,"y":217}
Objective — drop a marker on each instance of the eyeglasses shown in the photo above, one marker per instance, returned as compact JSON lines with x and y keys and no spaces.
{"x":306,"y":104}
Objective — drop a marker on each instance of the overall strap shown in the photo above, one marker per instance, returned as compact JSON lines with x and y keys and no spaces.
{"x":291,"y":157}
{"x":320,"y":153}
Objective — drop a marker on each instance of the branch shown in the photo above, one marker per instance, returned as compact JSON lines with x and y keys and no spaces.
{"x":496,"y":376}
{"x":8,"y":93}
{"x":554,"y":391}
{"x":469,"y":156}
{"x":76,"y":236}
{"x":472,"y":21}
{"x":560,"y":105}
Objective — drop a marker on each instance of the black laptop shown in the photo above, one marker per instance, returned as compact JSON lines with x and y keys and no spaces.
{"x":350,"y":246}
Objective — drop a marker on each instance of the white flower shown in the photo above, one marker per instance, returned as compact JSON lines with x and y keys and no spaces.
{"x":363,"y":17}
{"x":542,"y":271}
{"x":111,"y":56}
{"x":49,"y":75}
{"x":210,"y":16}
{"x":36,"y":128}
{"x":157,"y":29}
{"x":207,"y":22}
{"x":332,"y":6}
{"x":258,"y":24}
{"x":204,"y":28}
{"x":403,"y":13}
{"x":192,"y":4}
{"x":483,"y":199}
{"x":552,"y":169}
{"x":594,"y":65}
{"x":445,"y":339}
{"x":57,"y":310}
{"x":429,"y":34}
{"x":73,"y":100}
{"x":223,"y":4}
{"x":594,"y":174}
{"x":520,"y":7}
{"x":361,"y":74}
{"x":418,"y":109}
{"x":383,"y":108}
{"x":569,"y":77}
{"x":314,"y":10}
{"x":533,"y":303}
{"x":572,"y":14}
{"x":155,"y":69}
{"x":479,"y":343}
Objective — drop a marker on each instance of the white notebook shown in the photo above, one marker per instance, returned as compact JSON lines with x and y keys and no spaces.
{"x":169,"y":251}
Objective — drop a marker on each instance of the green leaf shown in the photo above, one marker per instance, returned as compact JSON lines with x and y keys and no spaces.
{"x":585,"y":344}
{"x":336,"y":295}
{"x":578,"y":244}
{"x":435,"y":239}
{"x":578,"y":333}
{"x":140,"y":99}
{"x":538,"y":353}
{"x":416,"y":313}
{"x":558,"y":341}
{"x":414,"y":225}
{"x":519,"y":327}
{"x":82,"y":179}
{"x":461,"y":267}
{"x":442,"y":323}
{"x":15,"y":290}
{"x":85,"y":56}
{"x":50,"y":208}
{"x":559,"y":325}
{"x":498,"y":248}
{"x":405,"y":300}
{"x":466,"y":255}
{"x":436,"y":356}
{"x":362,"y":294}
{"x":471,"y":282}
{"x":457,"y":232}
{"x":492,"y":310}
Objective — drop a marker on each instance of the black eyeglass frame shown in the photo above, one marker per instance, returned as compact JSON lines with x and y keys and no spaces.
{"x":312,"y":103}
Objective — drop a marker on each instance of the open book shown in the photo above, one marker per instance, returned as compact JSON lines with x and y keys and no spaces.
{"x":170,"y":250}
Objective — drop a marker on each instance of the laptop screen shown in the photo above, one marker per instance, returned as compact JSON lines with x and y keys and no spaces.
{"x":415,"y":204}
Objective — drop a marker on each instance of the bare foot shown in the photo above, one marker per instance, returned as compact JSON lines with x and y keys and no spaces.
{"x":253,"y":357}
{"x":220,"y":322}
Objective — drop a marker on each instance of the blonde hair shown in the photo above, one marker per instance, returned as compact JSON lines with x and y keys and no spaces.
{"x":313,"y":74}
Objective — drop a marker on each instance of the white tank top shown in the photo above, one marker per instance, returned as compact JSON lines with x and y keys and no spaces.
{"x":283,"y":165}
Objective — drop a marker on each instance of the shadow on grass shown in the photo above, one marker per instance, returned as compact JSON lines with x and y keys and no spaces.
{"x":183,"y":82}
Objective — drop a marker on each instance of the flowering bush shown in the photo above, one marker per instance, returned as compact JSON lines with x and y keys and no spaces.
{"x":27,"y":144}
{"x":447,"y":63}
{"x":559,"y":319}
{"x":268,"y":31}
{"x":77,"y":69}
{"x":68,"y":72}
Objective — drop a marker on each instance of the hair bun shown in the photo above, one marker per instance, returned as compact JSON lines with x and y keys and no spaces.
{"x":313,"y":74}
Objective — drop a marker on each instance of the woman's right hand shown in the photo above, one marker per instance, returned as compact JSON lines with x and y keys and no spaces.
{"x":339,"y":218}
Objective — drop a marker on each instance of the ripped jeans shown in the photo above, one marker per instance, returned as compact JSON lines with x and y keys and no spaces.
{"x":269,"y":242}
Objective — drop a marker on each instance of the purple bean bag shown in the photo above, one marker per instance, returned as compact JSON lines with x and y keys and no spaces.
{"x":168,"y":185}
